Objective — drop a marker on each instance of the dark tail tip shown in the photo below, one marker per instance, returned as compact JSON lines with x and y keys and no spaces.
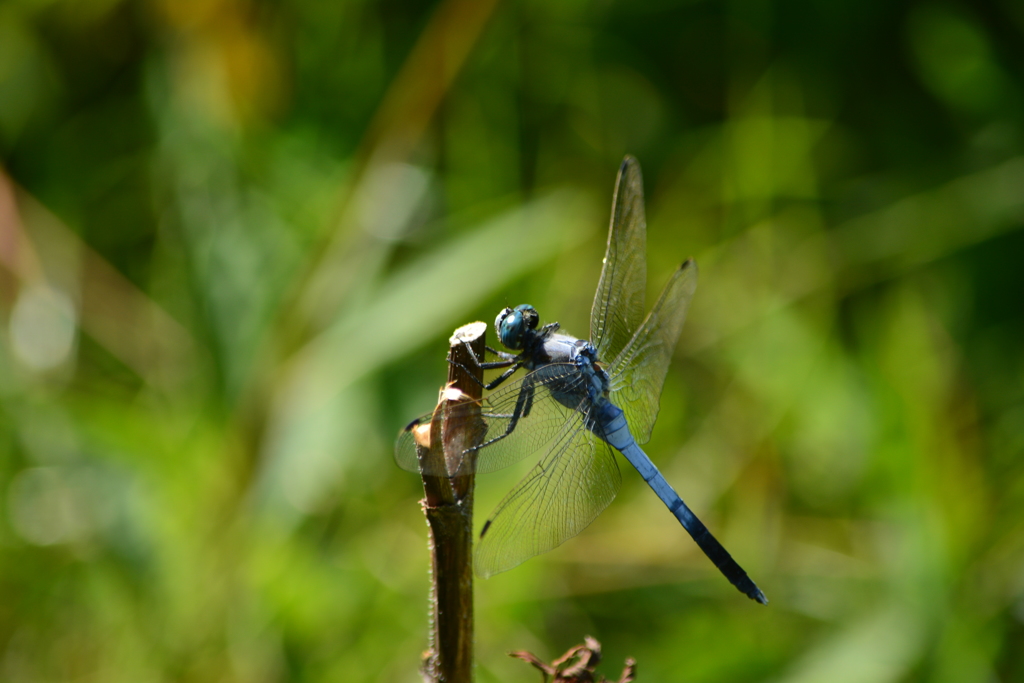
{"x":749,"y":588}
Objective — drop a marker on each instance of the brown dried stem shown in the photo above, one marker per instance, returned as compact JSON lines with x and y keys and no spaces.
{"x":448,"y":505}
{"x":578,"y":665}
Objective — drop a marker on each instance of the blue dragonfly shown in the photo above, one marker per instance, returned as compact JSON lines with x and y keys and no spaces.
{"x":581,"y":399}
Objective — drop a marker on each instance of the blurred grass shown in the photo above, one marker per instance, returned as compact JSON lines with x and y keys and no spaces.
{"x":234,"y":236}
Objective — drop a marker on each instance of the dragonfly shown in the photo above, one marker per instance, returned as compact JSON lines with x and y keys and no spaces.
{"x":579,"y":401}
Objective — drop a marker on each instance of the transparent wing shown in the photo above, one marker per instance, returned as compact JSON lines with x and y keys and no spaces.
{"x":521,"y":417}
{"x":405,"y":446}
{"x":638,"y":374}
{"x":619,"y":302}
{"x":571,"y":485}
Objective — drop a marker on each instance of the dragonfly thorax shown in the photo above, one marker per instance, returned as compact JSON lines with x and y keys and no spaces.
{"x":586,"y":360}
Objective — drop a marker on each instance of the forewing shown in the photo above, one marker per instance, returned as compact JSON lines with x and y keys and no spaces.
{"x":619,"y":302}
{"x":405,"y":446}
{"x":534,"y":421}
{"x":638,"y":374}
{"x":526,"y":405}
{"x":571,"y":485}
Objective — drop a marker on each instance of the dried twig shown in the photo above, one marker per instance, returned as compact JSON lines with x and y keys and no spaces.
{"x":448,"y":504}
{"x":578,"y":665}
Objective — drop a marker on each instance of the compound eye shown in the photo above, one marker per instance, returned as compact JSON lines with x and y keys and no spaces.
{"x":530,"y":315}
{"x":509,"y":326}
{"x":500,"y":320}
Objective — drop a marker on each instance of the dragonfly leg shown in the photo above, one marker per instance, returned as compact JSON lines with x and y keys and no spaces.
{"x":524,"y":403}
{"x":501,"y":354}
{"x":497,"y":381}
{"x":510,"y":364}
{"x":506,"y":358}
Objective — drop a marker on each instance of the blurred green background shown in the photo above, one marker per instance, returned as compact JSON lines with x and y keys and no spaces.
{"x":235,"y":235}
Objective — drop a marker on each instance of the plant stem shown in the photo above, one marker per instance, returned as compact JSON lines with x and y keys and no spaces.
{"x":448,"y":504}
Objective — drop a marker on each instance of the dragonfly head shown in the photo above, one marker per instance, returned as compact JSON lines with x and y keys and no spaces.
{"x":512,"y":325}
